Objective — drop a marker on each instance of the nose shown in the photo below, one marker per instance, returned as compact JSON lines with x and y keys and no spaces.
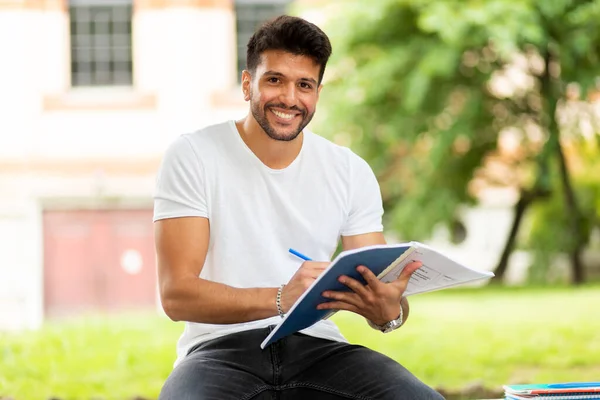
{"x":288,"y":95}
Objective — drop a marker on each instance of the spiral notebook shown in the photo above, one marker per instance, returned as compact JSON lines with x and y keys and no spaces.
{"x":554,"y":391}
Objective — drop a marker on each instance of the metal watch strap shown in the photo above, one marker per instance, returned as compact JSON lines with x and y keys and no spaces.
{"x":390,"y":325}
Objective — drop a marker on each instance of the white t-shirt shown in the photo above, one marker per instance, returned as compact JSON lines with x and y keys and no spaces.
{"x":257,"y":213}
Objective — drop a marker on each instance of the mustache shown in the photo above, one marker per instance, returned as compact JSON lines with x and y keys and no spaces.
{"x":284,"y":107}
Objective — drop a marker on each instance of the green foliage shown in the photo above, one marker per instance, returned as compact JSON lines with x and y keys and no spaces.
{"x":550,"y":231}
{"x":423,"y":89}
{"x":452,"y":339}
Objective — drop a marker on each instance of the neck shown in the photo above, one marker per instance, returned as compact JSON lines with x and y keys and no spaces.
{"x":275,"y":154}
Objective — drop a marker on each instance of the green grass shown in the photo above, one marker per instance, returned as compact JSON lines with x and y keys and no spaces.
{"x":96,"y":358}
{"x":453,"y":338}
{"x":493,"y":337}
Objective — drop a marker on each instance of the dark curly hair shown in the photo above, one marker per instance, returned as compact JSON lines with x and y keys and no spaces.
{"x":292,"y":34}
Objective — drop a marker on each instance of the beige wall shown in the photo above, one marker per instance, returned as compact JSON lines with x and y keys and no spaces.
{"x":100,"y":147}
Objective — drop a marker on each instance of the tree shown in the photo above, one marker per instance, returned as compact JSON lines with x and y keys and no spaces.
{"x":549,"y":232}
{"x":428,"y":90}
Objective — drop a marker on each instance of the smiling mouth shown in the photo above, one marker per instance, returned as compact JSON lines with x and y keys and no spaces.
{"x":283,"y":115}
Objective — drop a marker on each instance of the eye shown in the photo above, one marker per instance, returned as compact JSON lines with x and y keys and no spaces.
{"x":305,"y":85}
{"x":273,"y":80}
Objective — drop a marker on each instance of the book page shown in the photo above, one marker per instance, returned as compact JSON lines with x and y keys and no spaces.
{"x":437,"y":271}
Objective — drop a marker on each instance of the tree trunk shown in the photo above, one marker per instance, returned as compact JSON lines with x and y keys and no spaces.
{"x":527,"y":198}
{"x":520,"y":208}
{"x":572,"y":208}
{"x":552,"y":92}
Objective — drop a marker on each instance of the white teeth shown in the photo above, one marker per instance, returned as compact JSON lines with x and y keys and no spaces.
{"x":283,"y":115}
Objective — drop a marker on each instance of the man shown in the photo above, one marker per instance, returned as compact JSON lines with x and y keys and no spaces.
{"x":231,"y":200}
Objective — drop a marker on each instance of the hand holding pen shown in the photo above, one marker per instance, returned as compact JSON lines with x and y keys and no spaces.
{"x":302,"y":280}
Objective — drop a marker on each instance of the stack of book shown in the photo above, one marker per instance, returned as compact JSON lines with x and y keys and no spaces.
{"x":554,"y":391}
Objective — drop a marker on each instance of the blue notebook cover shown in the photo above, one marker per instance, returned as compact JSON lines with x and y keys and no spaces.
{"x":305,"y":313}
{"x":437,"y":272}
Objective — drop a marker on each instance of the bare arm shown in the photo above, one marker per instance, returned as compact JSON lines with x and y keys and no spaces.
{"x":181,"y":246}
{"x":368,"y":239}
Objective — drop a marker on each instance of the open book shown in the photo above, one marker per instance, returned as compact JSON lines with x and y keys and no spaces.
{"x":386,"y":262}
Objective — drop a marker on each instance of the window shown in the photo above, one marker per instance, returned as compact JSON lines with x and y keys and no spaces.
{"x":101,"y":42}
{"x":250,"y":14}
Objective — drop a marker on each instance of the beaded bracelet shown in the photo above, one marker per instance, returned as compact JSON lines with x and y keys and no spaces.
{"x":278,"y":301}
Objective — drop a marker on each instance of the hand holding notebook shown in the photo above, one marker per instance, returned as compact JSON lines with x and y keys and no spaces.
{"x":386,"y":262}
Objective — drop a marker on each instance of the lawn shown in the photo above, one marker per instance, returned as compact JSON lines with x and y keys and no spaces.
{"x":454,"y":338}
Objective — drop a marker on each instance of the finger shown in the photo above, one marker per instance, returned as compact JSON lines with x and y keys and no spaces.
{"x":315,"y":266}
{"x":346,"y":297}
{"x":410,"y":268}
{"x":407,"y":272}
{"x":354,"y":285}
{"x":369,"y":276}
{"x":338,"y":305}
{"x":313,"y":269}
{"x":315,"y":274}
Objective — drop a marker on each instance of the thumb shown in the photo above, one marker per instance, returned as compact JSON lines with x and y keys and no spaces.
{"x":406,"y":273}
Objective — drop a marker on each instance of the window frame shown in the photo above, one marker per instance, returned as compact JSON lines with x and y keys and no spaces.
{"x":101,"y":52}
{"x":242,"y":36}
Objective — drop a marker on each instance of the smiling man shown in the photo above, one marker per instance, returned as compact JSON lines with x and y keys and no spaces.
{"x":231,"y":199}
{"x":279,"y":72}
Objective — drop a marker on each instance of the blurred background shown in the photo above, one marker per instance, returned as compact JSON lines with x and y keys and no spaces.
{"x":481,"y":119}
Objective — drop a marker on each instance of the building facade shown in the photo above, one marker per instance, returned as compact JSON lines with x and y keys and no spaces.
{"x":93,"y":91}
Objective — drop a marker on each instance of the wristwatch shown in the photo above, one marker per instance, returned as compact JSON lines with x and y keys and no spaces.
{"x":389,"y":326}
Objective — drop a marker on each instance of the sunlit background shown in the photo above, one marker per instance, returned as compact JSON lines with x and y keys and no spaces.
{"x":480,"y":118}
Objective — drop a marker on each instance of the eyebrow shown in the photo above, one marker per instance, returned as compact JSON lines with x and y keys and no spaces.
{"x":279,"y":74}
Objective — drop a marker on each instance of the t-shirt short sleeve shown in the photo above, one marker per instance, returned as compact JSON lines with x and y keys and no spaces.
{"x":366,"y":207}
{"x":180,"y":186}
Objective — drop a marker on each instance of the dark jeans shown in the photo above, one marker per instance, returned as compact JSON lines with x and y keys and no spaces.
{"x":296,"y":367}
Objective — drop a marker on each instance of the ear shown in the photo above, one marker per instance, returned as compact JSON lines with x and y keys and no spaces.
{"x":246,"y":79}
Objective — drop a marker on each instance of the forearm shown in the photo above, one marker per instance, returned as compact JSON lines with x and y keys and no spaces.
{"x":200,"y":300}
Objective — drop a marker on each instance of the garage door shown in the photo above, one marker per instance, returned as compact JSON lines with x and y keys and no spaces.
{"x":98,"y":261}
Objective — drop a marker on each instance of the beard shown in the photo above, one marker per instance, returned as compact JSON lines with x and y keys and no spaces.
{"x":282,"y":134}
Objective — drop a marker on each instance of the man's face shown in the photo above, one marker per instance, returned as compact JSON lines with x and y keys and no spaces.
{"x":283,"y":93}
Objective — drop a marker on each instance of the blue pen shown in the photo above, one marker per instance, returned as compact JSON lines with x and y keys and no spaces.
{"x":299,"y":255}
{"x":574,"y":385}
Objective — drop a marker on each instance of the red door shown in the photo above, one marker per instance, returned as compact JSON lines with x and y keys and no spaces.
{"x":98,"y":261}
